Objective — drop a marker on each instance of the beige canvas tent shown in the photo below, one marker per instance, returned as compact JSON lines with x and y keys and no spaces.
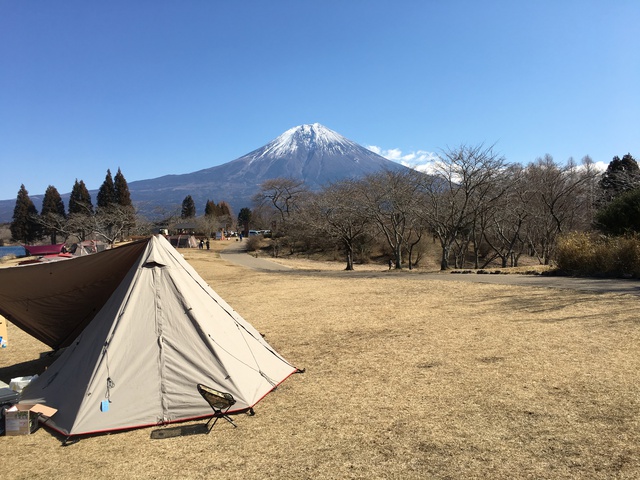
{"x":88,"y":247}
{"x":161,"y":331}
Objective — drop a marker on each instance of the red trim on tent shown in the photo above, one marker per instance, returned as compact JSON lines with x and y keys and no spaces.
{"x":260,"y":399}
{"x":181,"y":420}
{"x":124,"y":429}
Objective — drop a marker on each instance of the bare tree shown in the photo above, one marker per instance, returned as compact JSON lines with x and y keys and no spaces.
{"x":392,"y":203}
{"x":55,"y":222}
{"x":80,"y":221}
{"x":210,"y":224}
{"x":338,"y":212}
{"x":505,"y":222}
{"x":561,"y":194}
{"x":463,"y":184}
{"x":282,"y":195}
{"x":416,"y":233}
{"x":278,"y":201}
{"x":590,"y":192}
{"x":108,"y":223}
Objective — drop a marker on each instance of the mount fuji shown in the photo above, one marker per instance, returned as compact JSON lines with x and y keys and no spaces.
{"x":311,"y":153}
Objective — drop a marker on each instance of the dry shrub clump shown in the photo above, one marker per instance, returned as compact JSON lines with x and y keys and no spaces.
{"x":253,"y":243}
{"x":589,"y":254}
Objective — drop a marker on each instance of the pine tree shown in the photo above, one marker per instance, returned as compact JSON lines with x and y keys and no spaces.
{"x":25,"y":227}
{"x":224,"y":214}
{"x":123,"y":200}
{"x":52,"y":213}
{"x":80,"y":210}
{"x":188,"y":207}
{"x":210,"y":209}
{"x":121,"y":190}
{"x":107,"y":192}
{"x":622,"y":175}
{"x":244,"y":217}
{"x":224,"y":208}
{"x":80,"y":200}
{"x":621,"y":216}
{"x":52,"y":203}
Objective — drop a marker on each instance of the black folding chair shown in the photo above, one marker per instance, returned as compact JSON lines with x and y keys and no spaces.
{"x":220,"y":402}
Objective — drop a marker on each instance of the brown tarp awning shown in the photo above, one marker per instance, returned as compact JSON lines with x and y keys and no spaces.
{"x":55,"y":301}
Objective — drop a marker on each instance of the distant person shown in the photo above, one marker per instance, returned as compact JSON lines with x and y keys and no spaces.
{"x":390,"y":264}
{"x":240,"y":237}
{"x":207,"y":244}
{"x":201,"y":244}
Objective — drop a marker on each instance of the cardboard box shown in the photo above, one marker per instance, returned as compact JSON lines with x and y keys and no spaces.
{"x":23,"y":419}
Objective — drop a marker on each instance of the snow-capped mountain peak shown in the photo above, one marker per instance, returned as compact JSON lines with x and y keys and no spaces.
{"x":308,"y":137}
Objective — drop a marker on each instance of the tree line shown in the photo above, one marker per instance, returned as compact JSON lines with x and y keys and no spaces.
{"x":217,"y":216}
{"x":475,"y":206}
{"x":112,"y":217}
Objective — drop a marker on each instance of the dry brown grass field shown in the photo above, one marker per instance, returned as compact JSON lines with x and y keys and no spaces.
{"x":405,"y":378}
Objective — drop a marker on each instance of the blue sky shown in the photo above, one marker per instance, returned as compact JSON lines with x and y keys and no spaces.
{"x":166,"y":87}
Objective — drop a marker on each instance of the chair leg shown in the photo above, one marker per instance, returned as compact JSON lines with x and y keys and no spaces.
{"x":215,"y":419}
{"x":218,"y":414}
{"x":228,"y":419}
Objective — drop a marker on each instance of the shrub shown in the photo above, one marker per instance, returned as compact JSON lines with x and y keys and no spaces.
{"x":576,"y":253}
{"x":253,"y":243}
{"x":594,"y":255}
{"x":627,"y":256}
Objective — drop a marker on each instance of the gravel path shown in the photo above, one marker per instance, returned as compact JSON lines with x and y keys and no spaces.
{"x":235,"y":253}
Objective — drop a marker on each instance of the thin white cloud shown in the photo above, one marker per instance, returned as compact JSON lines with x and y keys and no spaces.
{"x":597,"y":166}
{"x":425,"y":161}
{"x":421,"y":160}
{"x":601,"y":166}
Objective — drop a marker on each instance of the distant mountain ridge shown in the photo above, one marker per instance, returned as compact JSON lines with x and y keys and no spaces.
{"x":311,"y":153}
